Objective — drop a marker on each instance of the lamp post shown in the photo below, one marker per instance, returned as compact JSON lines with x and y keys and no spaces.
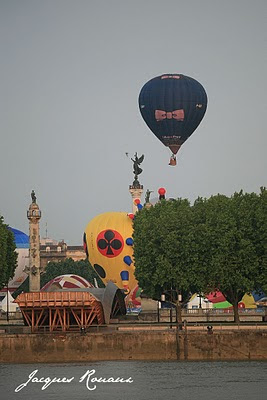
{"x":7,"y":305}
{"x":163,"y":298}
{"x":200,"y":304}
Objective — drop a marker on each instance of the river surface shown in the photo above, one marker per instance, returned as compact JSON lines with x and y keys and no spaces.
{"x":150,"y":381}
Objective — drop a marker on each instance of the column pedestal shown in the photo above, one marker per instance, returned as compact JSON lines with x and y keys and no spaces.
{"x":136,"y":193}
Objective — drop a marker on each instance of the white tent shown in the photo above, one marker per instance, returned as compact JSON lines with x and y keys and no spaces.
{"x":12,"y":307}
{"x":196,"y":301}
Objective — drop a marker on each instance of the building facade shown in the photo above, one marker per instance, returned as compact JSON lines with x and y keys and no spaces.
{"x":53,"y":251}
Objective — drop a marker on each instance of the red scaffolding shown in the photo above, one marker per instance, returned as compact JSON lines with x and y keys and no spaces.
{"x":60,"y":311}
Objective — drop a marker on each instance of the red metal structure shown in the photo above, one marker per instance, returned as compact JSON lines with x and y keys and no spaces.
{"x":60,"y":311}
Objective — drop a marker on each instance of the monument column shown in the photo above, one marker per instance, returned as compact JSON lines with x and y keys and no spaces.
{"x":34,"y":216}
{"x":136,"y":189}
{"x":136,"y":193}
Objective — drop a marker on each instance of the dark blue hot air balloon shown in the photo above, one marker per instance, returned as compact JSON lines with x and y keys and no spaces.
{"x":173,"y":106}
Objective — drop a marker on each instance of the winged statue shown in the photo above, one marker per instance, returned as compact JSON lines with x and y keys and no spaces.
{"x":136,"y":168}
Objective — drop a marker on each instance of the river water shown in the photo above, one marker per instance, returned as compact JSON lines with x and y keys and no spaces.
{"x":151,"y":381}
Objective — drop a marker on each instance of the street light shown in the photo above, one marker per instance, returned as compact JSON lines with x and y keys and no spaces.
{"x":163,"y":298}
{"x":200,"y":297}
{"x":7,"y":306}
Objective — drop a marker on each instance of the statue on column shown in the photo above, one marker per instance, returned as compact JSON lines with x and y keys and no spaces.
{"x":148,"y":193}
{"x":136,"y":168}
{"x":33,"y":197}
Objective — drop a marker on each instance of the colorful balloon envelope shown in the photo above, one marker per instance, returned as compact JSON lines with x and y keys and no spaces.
{"x":68,"y":281}
{"x":173,"y":106}
{"x":109,"y":246}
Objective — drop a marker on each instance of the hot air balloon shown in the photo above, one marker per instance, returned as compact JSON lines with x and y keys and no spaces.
{"x":173,"y":106}
{"x":109,"y":245}
{"x":68,"y":281}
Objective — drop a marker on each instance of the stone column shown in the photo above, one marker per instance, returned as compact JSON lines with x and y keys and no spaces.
{"x":34,"y":216}
{"x":136,"y":193}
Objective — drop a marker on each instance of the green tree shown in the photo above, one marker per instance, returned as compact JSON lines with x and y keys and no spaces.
{"x":218,"y":243}
{"x":8,"y":254}
{"x":3,"y":253}
{"x":11,"y":255}
{"x":237,"y":252}
{"x":260,"y":239}
{"x":69,"y":266}
{"x":167,"y":257}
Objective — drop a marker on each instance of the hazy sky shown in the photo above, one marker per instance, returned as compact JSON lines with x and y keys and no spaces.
{"x":71,"y":73}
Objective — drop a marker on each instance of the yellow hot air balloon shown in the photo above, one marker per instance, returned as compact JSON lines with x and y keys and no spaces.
{"x":109,"y":246}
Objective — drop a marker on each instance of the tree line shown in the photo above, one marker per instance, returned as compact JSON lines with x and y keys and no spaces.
{"x":8,"y":254}
{"x":65,"y":267}
{"x":219,"y":243}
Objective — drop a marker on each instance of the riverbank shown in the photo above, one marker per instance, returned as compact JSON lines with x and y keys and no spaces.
{"x":246,"y":344}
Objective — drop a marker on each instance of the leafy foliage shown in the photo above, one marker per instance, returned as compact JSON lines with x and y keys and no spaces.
{"x":68,"y":266}
{"x":237,"y":233}
{"x":165,"y":250}
{"x":8,"y":254}
{"x":217,"y":243}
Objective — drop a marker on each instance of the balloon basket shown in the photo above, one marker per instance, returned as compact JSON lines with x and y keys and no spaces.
{"x":172,"y":161}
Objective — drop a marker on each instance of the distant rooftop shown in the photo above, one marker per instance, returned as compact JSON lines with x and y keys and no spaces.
{"x":48,"y":242}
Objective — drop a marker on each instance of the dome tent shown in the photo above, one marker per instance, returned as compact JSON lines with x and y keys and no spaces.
{"x":21,"y":239}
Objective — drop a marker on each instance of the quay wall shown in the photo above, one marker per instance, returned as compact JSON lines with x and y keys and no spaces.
{"x":136,"y":345}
